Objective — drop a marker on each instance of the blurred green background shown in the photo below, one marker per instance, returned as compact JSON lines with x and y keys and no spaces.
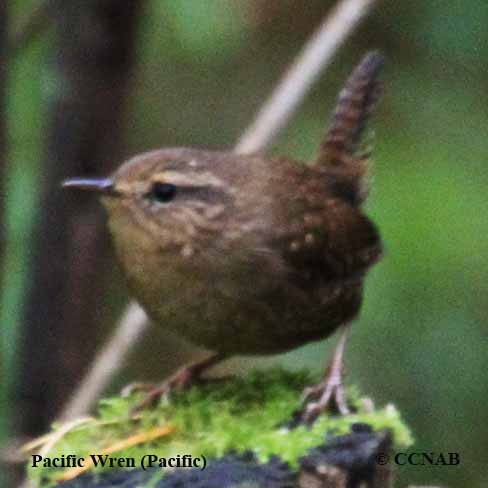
{"x":202,"y":70}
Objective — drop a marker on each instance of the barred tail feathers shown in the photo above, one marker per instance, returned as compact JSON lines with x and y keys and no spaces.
{"x":339,"y":152}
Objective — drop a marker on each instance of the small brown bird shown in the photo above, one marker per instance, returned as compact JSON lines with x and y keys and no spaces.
{"x":247,"y":254}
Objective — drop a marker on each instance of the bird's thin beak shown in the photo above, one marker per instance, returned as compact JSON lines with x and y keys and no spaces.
{"x":100,"y":185}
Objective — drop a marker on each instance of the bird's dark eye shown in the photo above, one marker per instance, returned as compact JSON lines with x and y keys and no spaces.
{"x":163,"y":192}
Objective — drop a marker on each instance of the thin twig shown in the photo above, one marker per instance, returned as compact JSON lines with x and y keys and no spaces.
{"x":315,"y":56}
{"x":313,"y":59}
{"x":108,"y":361}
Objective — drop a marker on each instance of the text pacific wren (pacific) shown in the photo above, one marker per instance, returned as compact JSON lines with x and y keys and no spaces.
{"x":249,"y":254}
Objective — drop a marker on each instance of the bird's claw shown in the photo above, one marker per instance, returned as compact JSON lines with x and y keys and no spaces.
{"x":326,"y":396}
{"x":135,"y":387}
{"x":181,"y":380}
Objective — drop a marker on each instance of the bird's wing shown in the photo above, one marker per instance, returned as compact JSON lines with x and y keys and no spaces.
{"x":330,"y":244}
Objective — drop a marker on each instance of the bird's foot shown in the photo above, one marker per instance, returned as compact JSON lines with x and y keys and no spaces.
{"x":135,"y":387}
{"x":327,"y":396}
{"x":184,"y":378}
{"x":181,"y":380}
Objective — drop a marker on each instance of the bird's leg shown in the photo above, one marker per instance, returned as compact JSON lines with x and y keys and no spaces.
{"x":329,"y":393}
{"x":182,"y":379}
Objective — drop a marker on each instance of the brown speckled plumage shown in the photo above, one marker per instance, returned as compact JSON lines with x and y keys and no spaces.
{"x":254,"y":255}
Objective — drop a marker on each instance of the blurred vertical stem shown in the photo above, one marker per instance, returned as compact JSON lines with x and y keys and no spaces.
{"x":4,"y":474}
{"x":3,"y":146}
{"x":3,"y":159}
{"x":87,"y":88}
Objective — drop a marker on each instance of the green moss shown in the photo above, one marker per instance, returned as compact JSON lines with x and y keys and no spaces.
{"x":239,"y":414}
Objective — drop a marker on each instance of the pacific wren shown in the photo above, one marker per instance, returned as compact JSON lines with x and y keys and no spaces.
{"x":249,"y":254}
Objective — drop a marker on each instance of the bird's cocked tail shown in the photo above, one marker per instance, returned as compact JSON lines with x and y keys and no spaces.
{"x":340,"y":154}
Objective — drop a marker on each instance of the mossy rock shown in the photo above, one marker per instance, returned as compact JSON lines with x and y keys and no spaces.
{"x":215,"y":418}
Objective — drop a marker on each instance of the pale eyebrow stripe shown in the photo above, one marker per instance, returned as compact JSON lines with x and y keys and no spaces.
{"x":205,"y":193}
{"x":192,"y":178}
